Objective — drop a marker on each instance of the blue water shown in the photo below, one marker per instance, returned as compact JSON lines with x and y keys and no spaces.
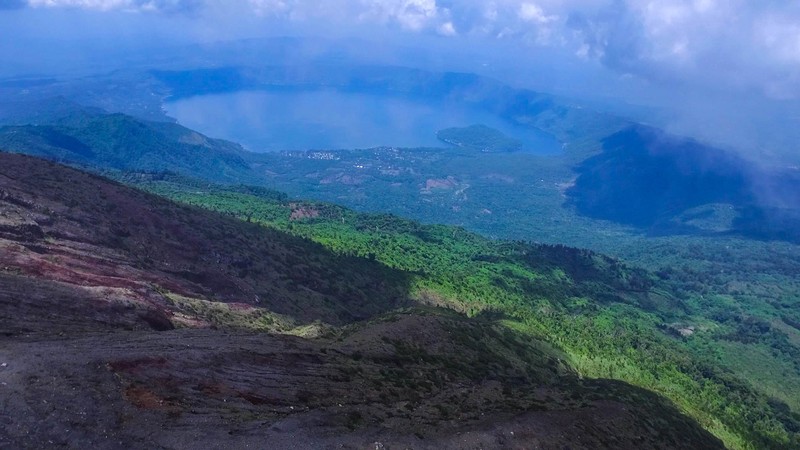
{"x":328,"y":119}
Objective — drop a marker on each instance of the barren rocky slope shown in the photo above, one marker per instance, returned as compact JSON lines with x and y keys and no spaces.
{"x":129,"y":321}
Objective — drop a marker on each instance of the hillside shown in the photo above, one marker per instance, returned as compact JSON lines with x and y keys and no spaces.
{"x":647,"y":178}
{"x":117,"y":141}
{"x":729,"y":252}
{"x":144,"y":246}
{"x":127,"y":318}
{"x":722,"y":314}
{"x":610,"y":319}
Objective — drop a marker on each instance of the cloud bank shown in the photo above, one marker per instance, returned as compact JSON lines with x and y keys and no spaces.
{"x":727,"y":44}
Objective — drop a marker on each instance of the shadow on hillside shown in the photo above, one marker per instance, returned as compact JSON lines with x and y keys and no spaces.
{"x":654,"y":181}
{"x":124,"y":235}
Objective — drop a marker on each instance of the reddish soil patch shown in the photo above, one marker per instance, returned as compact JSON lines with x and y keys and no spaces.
{"x":145,"y":399}
{"x":440,"y":183}
{"x":304,"y":212}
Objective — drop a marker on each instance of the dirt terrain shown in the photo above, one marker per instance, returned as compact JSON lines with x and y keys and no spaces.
{"x":127,"y":321}
{"x":368,"y":389}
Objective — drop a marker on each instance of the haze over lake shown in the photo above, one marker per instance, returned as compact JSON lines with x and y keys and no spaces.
{"x":329,"y":119}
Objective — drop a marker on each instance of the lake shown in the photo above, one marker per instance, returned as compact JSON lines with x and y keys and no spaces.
{"x":329,"y":119}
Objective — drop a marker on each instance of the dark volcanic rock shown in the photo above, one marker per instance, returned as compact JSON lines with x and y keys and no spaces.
{"x":89,"y":357}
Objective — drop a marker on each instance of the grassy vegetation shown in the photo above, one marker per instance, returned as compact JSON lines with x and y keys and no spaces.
{"x":731,"y":288}
{"x":613,"y":321}
{"x":226,"y":315}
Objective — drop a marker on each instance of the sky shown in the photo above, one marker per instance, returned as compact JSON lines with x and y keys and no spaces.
{"x":729,"y":70}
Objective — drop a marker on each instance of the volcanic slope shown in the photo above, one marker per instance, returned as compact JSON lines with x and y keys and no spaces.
{"x":128,"y":320}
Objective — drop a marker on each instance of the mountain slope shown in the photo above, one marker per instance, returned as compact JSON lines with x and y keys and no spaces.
{"x":406,"y":381}
{"x":608,"y":322}
{"x":612,"y":320}
{"x":71,"y":227}
{"x":647,"y":178}
{"x":117,"y":141}
{"x":96,"y":276}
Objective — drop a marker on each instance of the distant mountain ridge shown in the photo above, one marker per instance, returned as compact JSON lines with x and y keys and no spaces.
{"x":645,"y":177}
{"x":121,"y":142}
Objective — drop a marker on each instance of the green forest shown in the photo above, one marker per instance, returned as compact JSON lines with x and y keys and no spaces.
{"x":665,"y":330}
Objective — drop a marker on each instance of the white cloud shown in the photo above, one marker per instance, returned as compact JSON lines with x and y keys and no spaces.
{"x":104,"y":5}
{"x":410,"y":14}
{"x":781,"y":36}
{"x":447,"y":29}
{"x":732,"y":44}
{"x":728,"y":44}
{"x":154,"y":6}
{"x":531,"y":12}
{"x":268,"y":7}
